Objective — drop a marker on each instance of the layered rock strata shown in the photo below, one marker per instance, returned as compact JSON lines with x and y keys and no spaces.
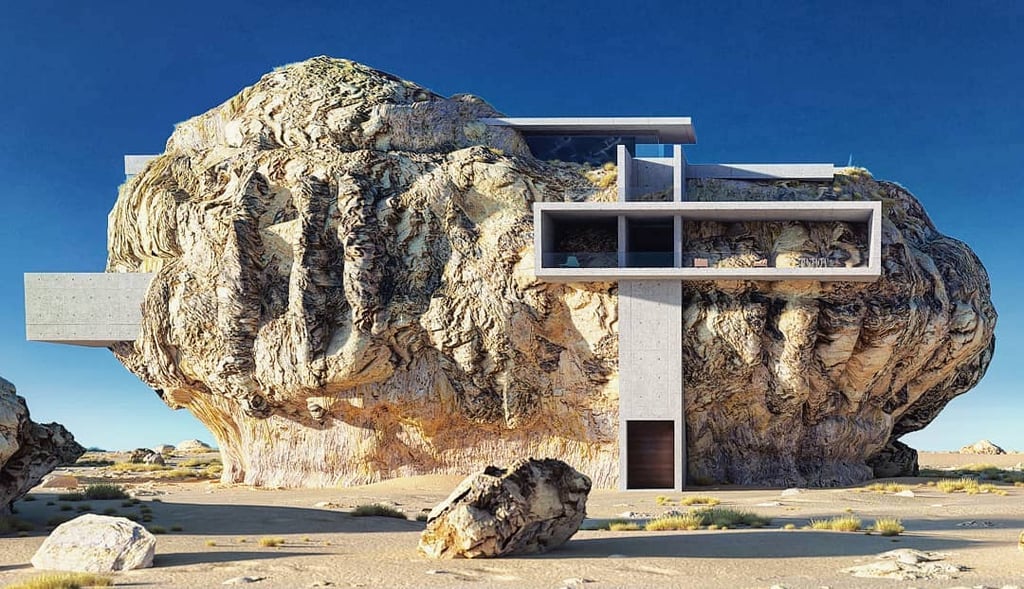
{"x":344,"y":292}
{"x":28,"y":450}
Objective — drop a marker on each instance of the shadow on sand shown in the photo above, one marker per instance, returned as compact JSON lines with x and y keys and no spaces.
{"x":744,"y":544}
{"x":172,"y":559}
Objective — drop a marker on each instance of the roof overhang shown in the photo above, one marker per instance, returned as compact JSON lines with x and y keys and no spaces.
{"x":668,"y":130}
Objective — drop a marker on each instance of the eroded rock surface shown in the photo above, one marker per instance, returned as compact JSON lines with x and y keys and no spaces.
{"x":28,"y":450}
{"x":982,"y":447}
{"x":530,"y":507}
{"x":96,"y":544}
{"x":344,"y":292}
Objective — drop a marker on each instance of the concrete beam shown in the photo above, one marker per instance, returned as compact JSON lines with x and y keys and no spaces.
{"x":84,"y":309}
{"x":820,"y":172}
{"x":666,"y":129}
{"x":133,"y":164}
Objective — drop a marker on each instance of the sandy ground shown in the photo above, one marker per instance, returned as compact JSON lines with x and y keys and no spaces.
{"x":325,"y":546}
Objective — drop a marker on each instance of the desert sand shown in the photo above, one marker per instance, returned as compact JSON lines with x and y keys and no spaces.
{"x":220,"y":527}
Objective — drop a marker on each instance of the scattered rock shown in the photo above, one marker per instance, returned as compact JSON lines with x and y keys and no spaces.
{"x":28,"y":450}
{"x":146,"y":456}
{"x":907,"y":564}
{"x":973,"y":523}
{"x":192,"y":446}
{"x":96,"y":544}
{"x":321,"y":584}
{"x":59,"y":481}
{"x":327,"y":505}
{"x":769,"y":504}
{"x":163,"y":449}
{"x":792,"y":492}
{"x":532,"y":506}
{"x":982,"y":447}
{"x":907,"y":493}
{"x":242,"y":580}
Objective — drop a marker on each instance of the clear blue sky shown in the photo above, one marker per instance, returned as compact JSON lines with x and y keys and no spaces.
{"x":924,"y":93}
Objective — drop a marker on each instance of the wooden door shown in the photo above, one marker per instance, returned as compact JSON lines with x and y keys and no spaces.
{"x":650,"y":452}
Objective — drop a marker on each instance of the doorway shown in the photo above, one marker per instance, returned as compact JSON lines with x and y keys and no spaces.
{"x":650,"y":455}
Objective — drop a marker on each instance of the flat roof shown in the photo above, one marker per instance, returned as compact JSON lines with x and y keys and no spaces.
{"x":668,"y":130}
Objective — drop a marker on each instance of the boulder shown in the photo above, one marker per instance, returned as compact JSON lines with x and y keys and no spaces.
{"x":96,"y":544}
{"x":192,"y":446}
{"x":28,"y":450}
{"x":982,"y":447}
{"x":532,"y":506}
{"x":146,"y":456}
{"x":360,"y":303}
{"x":163,"y":449}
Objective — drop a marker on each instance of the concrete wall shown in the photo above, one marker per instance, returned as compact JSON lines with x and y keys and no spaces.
{"x":93,"y":309}
{"x":823,"y":172}
{"x":651,"y":174}
{"x":650,"y":362}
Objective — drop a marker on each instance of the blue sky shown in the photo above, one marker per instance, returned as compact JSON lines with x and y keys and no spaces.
{"x":924,"y":93}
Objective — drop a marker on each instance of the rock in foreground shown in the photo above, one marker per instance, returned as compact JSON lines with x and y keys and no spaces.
{"x":96,"y":544}
{"x":533,"y":506}
{"x":28,"y":450}
{"x":982,"y":447}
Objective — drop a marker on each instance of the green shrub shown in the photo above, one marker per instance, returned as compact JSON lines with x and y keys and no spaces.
{"x":103,"y":491}
{"x":721,"y":516}
{"x":76,"y":496}
{"x":376,"y":509}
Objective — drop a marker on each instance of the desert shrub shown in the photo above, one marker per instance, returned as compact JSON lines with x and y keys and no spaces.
{"x":376,"y":509}
{"x":177,"y":528}
{"x":842,"y":523}
{"x":63,"y":581}
{"x":9,"y":523}
{"x":28,"y":498}
{"x":683,"y":521}
{"x":104,"y":491}
{"x":423,"y":516}
{"x":131,"y":467}
{"x":888,"y":526}
{"x":887,"y":487}
{"x":56,"y":520}
{"x":270,"y":541}
{"x":110,"y":511}
{"x":210,"y":543}
{"x":93,"y":462}
{"x":623,"y":526}
{"x":662,"y":500}
{"x":196,"y":462}
{"x":789,"y":527}
{"x":76,"y":496}
{"x":721,"y":516}
{"x":157,"y":530}
{"x":66,"y":507}
{"x":966,"y":484}
{"x":700,"y":500}
{"x":84,"y":507}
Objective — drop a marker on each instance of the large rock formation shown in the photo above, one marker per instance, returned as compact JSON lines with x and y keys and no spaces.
{"x":28,"y":450}
{"x":344,"y":292}
{"x":532,"y":506}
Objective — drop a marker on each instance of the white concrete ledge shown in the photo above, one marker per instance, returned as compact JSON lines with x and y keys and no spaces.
{"x":84,"y":309}
{"x":133,"y":164}
{"x":819,"y":172}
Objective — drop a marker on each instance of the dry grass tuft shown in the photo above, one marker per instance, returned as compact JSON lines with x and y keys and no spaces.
{"x":9,"y":523}
{"x":685,"y":521}
{"x":888,"y":526}
{"x":64,"y":581}
{"x":887,"y":487}
{"x":103,"y":491}
{"x":842,"y":523}
{"x":623,"y":526}
{"x":270,"y":541}
{"x":700,"y":500}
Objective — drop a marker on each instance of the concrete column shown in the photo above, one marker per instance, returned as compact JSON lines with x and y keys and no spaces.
{"x":650,"y":364}
{"x":678,"y":173}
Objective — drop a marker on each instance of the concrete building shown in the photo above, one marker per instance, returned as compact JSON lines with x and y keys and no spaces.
{"x":650,"y":240}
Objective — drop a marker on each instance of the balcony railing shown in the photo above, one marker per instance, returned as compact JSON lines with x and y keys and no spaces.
{"x":698,"y":259}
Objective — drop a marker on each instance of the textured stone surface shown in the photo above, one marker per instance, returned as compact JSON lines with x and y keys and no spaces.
{"x":982,"y":447}
{"x":28,"y":450}
{"x":145,"y":456}
{"x":532,"y":506}
{"x":96,"y":544}
{"x":896,"y":459}
{"x":344,"y":292}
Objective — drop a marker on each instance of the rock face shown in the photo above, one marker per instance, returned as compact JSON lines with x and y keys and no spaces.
{"x":896,"y":459}
{"x":982,"y":447}
{"x":533,"y":506}
{"x":96,"y":544}
{"x":344,"y":292}
{"x":145,"y":456}
{"x":28,"y":450}
{"x":192,"y":446}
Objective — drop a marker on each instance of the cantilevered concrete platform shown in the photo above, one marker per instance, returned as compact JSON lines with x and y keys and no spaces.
{"x":667,"y":130}
{"x":84,"y":309}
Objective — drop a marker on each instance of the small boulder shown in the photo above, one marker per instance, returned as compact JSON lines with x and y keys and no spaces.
{"x":192,"y":446}
{"x":532,"y":506}
{"x":163,"y":449}
{"x":146,"y":456}
{"x":982,"y":447}
{"x":96,"y":544}
{"x":895,"y":459}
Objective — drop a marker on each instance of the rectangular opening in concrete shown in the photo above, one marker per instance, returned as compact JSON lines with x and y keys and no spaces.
{"x":650,"y":455}
{"x":581,"y":242}
{"x":775,"y":244}
{"x":650,"y":242}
